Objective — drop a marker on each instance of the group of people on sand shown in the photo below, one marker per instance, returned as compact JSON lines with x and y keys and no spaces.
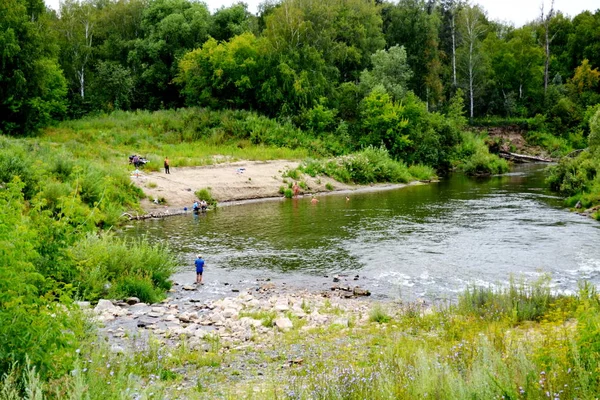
{"x":138,"y":161}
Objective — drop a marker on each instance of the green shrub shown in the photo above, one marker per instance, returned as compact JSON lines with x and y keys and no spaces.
{"x":328,"y":186}
{"x":422,"y":172}
{"x":107,"y":262}
{"x":204,"y":194}
{"x":139,"y":287}
{"x":378,"y":314}
{"x":472,"y":157}
{"x":288,"y":193}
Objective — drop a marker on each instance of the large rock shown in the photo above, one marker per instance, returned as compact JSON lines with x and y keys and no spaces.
{"x":281,"y":307}
{"x":105,"y":306}
{"x":230,"y":313}
{"x":283,"y":324}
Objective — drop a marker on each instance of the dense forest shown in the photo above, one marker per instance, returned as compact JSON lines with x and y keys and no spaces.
{"x":405,"y":88}
{"x":367,"y":70}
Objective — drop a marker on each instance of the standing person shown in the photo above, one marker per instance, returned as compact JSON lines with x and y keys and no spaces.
{"x":199,"y":269}
{"x":167,"y":166}
{"x":296,"y":189}
{"x":136,"y":161}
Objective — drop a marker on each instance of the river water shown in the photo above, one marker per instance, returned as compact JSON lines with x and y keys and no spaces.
{"x":424,"y":241}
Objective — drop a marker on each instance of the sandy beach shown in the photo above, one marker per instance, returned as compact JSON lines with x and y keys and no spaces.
{"x":231,"y":182}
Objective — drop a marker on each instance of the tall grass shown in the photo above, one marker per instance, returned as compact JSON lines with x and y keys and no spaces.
{"x":370,"y":165}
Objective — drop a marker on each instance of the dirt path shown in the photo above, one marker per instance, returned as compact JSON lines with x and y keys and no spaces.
{"x":227,"y":182}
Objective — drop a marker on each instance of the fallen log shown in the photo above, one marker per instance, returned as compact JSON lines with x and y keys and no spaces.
{"x":523,"y":158}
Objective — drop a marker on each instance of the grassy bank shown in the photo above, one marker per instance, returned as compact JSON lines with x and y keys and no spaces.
{"x":62,"y":193}
{"x":520,"y":342}
{"x":577,"y":177}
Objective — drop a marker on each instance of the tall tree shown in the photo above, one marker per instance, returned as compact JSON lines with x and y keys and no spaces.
{"x":390,"y":70}
{"x":414,"y":25}
{"x":32,"y":87}
{"x":473,"y":27}
{"x":170,"y":29}
{"x":449,"y":32}
{"x":545,"y":20}
{"x":77,"y":27}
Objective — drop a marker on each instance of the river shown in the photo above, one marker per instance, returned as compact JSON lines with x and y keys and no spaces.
{"x":417,"y":242}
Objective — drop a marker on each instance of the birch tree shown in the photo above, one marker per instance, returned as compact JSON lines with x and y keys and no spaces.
{"x":473,"y":28}
{"x":545,"y":20}
{"x":77,"y":28}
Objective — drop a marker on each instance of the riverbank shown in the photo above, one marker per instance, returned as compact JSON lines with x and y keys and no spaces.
{"x":271,"y":342}
{"x":233,"y":183}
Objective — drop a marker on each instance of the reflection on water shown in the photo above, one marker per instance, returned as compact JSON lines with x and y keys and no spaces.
{"x":420,"y":241}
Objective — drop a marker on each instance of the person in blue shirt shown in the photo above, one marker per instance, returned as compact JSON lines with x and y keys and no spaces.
{"x":195,"y":207}
{"x":199,"y":269}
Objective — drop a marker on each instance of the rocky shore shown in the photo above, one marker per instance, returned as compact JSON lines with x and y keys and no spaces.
{"x":260,"y":312}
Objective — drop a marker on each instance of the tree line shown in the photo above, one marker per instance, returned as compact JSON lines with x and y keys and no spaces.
{"x":364,"y":68}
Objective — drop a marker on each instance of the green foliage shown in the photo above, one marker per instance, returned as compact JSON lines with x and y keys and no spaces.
{"x":474,"y":158}
{"x":390,"y":70}
{"x":594,"y":138}
{"x":378,"y":314}
{"x":33,"y":325}
{"x":204,"y":194}
{"x":574,"y":175}
{"x":328,"y":186}
{"x":32,"y":87}
{"x":383,"y":122}
{"x":112,"y":267}
{"x":368,"y":166}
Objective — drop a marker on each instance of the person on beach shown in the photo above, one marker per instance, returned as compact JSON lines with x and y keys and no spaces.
{"x":199,"y":269}
{"x":203,"y":205}
{"x":296,"y":189}
{"x":167,"y":166}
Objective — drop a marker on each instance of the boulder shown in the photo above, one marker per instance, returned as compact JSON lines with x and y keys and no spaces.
{"x":281,"y":307}
{"x":283,"y":324}
{"x":104,"y":305}
{"x":361,"y":292}
{"x":230,"y":313}
{"x":132,"y":300}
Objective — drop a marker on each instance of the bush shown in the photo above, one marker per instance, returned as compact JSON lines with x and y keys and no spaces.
{"x":472,"y":157}
{"x":377,"y":314}
{"x":140,"y":287}
{"x":204,"y":194}
{"x":110,"y":266}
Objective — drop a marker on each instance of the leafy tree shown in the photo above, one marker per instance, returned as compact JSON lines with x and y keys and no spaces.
{"x":113,"y":86}
{"x":390,"y":70}
{"x":170,"y":29}
{"x":584,"y":84}
{"x":414,"y":25}
{"x":223,"y":74}
{"x":516,"y":71}
{"x":77,"y":27}
{"x":228,"y":22}
{"x":594,"y":138}
{"x":32,"y":87}
{"x":382,"y":122}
